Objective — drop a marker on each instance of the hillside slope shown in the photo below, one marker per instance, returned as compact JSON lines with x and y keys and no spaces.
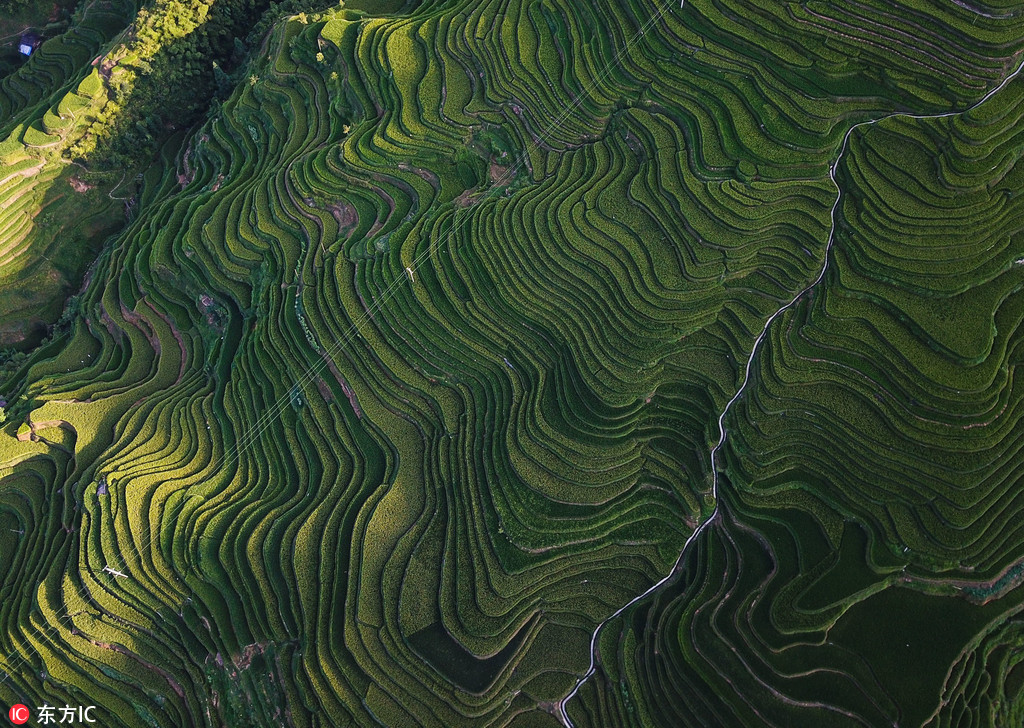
{"x":450,"y":333}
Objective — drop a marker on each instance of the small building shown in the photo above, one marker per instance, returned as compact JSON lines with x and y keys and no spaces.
{"x":28,"y":43}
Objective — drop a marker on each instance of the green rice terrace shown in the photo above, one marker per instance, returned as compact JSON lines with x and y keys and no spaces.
{"x":530,"y":363}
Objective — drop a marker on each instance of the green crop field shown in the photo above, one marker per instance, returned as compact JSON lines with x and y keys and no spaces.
{"x":526,"y":363}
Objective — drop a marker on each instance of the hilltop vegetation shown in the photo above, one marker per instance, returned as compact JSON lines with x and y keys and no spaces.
{"x":436,"y":333}
{"x":54,"y":216}
{"x":83,"y":118}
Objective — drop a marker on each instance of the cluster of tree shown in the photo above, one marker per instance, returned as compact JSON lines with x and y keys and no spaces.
{"x":179,"y":56}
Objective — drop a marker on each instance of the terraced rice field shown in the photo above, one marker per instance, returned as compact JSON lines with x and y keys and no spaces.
{"x":54,"y":216}
{"x":542,"y":363}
